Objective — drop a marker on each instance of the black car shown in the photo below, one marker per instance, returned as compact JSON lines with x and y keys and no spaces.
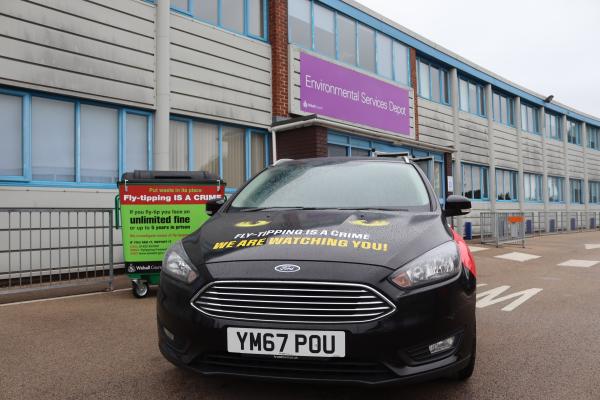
{"x":331,"y":269}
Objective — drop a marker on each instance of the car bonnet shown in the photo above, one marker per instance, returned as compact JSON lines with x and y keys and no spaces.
{"x":388,"y":239}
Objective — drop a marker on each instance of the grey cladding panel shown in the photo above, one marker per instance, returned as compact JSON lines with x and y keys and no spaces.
{"x":218,"y":74}
{"x":86,"y":49}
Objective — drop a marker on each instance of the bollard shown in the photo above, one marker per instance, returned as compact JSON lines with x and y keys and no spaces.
{"x":468,"y":231}
{"x":529,"y":227}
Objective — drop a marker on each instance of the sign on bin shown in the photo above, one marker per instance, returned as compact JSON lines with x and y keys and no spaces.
{"x":157,"y":215}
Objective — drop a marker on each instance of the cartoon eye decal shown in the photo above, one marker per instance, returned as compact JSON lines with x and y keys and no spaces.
{"x":375,"y":222}
{"x":252,"y":224}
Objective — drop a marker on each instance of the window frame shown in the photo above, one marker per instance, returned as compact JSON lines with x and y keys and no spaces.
{"x":572,"y":124}
{"x":395,"y":42}
{"x":561,"y":194}
{"x":579,"y":183}
{"x":510,"y":107}
{"x":482,"y":170}
{"x":480,"y":88}
{"x":512,"y":175}
{"x":559,"y":126}
{"x":25,"y":136}
{"x":248,"y":132}
{"x":595,"y":131}
{"x":535,"y":130}
{"x":27,"y":178}
{"x":594,"y":191}
{"x":442,"y":72}
{"x":539,"y":178}
{"x":246,"y":31}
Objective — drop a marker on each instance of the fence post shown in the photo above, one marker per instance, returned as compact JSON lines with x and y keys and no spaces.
{"x":111,"y":270}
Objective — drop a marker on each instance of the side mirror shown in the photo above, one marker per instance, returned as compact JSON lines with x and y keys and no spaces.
{"x":457,"y":205}
{"x":213,"y":206}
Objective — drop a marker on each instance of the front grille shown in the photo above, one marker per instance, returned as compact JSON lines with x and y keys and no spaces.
{"x":331,"y":369}
{"x":292,"y":301}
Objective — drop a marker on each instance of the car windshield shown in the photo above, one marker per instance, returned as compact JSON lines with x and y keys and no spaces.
{"x":348,"y":184}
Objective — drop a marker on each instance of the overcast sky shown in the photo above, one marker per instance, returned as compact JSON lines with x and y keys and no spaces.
{"x":549,"y":46}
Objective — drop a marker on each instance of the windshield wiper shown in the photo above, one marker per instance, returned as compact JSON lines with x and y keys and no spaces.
{"x":372,"y":208}
{"x":254,"y":209}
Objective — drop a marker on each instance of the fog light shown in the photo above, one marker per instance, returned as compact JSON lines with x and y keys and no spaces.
{"x":171,"y":336}
{"x":442,"y":345}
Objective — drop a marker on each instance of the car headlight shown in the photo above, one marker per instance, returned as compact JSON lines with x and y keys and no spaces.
{"x":436,"y":265}
{"x":177,"y":264}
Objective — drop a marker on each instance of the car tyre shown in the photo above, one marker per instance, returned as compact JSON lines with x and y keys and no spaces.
{"x":139,"y":289}
{"x":465,"y":373}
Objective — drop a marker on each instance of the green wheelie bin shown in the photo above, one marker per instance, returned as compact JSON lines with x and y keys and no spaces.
{"x":154,"y":209}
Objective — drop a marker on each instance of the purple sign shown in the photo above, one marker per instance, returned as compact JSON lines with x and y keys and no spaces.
{"x":334,"y":91}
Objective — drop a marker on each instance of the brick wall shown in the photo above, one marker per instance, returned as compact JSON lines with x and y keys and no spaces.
{"x":307,"y":142}
{"x":413,"y":83}
{"x":278,"y":37}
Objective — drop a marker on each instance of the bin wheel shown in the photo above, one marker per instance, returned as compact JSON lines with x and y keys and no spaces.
{"x":139,"y":288}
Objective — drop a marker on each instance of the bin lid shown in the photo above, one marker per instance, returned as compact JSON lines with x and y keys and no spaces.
{"x":141,"y":176}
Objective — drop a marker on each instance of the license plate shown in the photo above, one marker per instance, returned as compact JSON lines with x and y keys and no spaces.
{"x":286,"y":342}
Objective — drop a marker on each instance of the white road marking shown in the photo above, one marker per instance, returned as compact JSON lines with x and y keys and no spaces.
{"x":516,"y":256}
{"x":489,"y":297}
{"x":60,"y":298}
{"x":481,"y":284}
{"x":592,"y":246}
{"x":475,"y":249}
{"x":578,"y":263}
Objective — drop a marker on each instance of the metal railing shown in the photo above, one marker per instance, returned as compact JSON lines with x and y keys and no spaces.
{"x":502,"y":227}
{"x":43,"y":248}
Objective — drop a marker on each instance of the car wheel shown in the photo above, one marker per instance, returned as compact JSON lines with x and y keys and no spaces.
{"x":467,"y":371}
{"x":139,"y":288}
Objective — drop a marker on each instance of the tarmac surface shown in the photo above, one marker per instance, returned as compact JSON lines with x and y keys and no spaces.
{"x":535,"y":344}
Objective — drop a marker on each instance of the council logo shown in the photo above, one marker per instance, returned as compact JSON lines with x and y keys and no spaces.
{"x":252,"y":224}
{"x":375,"y":222}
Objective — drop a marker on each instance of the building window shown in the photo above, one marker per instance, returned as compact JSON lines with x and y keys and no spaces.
{"x":533,"y":187}
{"x":315,"y":27}
{"x":555,"y":189}
{"x":553,"y":126}
{"x":366,"y":48}
{"x":503,"y":109}
{"x":506,"y":185}
{"x":324,"y":31}
{"x":299,"y":23}
{"x":433,"y":82}
{"x":100,"y":145}
{"x":594,"y":192}
{"x":247,"y":17}
{"x":384,"y":55}
{"x":593,"y":134}
{"x":530,"y":119}
{"x":574,"y":132}
{"x":346,"y":39}
{"x":475,"y":181}
{"x":472,"y":97}
{"x":232,"y":152}
{"x":576,"y":191}
{"x":12,"y":122}
{"x":56,"y":141}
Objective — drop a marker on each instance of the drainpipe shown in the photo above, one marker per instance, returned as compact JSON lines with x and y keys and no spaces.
{"x":163,"y":106}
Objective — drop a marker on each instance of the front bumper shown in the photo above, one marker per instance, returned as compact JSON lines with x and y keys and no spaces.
{"x":390,"y":350}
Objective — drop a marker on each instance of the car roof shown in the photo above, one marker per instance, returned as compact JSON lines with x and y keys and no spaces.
{"x":341,"y":160}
